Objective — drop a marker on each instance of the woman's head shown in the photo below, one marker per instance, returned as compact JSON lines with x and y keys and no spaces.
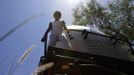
{"x":57,"y":15}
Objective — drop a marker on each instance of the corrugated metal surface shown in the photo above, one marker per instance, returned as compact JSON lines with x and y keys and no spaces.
{"x":96,"y":44}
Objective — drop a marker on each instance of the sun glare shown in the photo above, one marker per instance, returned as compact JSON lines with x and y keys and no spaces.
{"x":73,"y":2}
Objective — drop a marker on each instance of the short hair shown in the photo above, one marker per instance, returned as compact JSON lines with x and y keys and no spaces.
{"x":57,"y":13}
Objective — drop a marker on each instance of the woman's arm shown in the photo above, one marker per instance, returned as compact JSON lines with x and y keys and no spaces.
{"x":64,"y":26}
{"x":47,"y":31}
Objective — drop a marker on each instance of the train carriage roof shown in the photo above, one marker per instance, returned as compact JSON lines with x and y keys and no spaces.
{"x":95,"y":43}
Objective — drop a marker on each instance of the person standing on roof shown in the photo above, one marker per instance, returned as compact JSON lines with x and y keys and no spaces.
{"x":56,"y":27}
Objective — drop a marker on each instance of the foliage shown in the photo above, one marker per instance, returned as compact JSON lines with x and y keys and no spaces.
{"x":116,"y":16}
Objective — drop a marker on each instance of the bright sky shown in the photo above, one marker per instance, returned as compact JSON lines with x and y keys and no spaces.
{"x":14,"y":12}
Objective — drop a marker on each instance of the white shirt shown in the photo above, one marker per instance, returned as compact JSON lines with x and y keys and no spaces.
{"x":56,"y":27}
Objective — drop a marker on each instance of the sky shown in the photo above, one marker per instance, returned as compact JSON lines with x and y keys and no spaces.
{"x":14,"y":13}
